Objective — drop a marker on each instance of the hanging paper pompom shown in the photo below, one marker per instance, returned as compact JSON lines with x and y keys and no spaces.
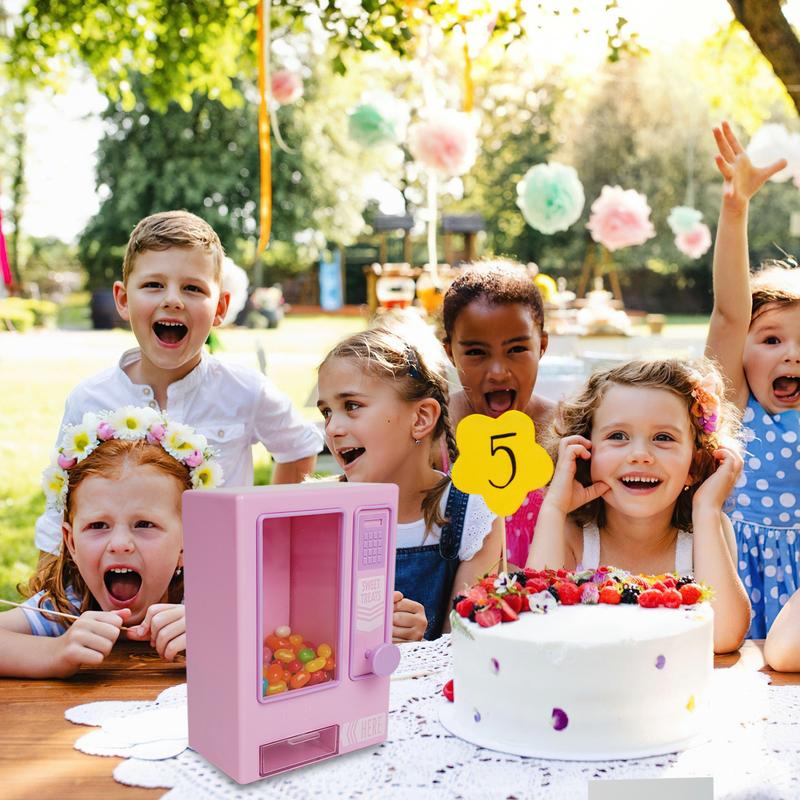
{"x":683,"y":219}
{"x":772,"y":142}
{"x":620,"y":218}
{"x":551,"y":197}
{"x":694,"y":243}
{"x":446,"y":142}
{"x":379,"y":118}
{"x":287,"y":87}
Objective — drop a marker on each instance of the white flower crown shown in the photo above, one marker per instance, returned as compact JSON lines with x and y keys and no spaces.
{"x":131,"y":423}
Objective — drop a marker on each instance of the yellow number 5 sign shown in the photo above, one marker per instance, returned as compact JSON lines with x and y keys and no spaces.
{"x":499,"y":459}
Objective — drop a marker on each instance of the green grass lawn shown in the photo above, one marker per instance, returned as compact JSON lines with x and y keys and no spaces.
{"x":40,"y":368}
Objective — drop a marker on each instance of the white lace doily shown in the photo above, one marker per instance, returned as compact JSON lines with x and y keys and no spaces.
{"x":754,"y":751}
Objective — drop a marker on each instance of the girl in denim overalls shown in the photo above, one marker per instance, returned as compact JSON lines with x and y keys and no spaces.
{"x":385,"y":403}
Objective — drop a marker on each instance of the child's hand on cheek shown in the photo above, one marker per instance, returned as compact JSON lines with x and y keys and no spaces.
{"x":716,"y":489}
{"x":164,"y":626}
{"x":89,"y":639}
{"x":408,"y":620}
{"x":565,"y":492}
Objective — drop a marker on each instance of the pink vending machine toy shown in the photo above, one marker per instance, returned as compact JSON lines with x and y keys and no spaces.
{"x":289,"y":622}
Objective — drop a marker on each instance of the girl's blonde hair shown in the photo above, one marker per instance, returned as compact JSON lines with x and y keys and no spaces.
{"x":109,"y":460}
{"x":575,"y":417}
{"x":416,"y":371}
{"x":775,"y":283}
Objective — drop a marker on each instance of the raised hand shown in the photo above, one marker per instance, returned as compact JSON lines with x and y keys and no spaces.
{"x":742,"y":179}
{"x":88,"y":640}
{"x":565,"y":492}
{"x":164,"y":626}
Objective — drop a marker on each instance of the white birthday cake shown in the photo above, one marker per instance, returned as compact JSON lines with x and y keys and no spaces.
{"x":596,"y":665}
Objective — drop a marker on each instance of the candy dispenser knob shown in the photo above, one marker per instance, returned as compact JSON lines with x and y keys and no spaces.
{"x":383,"y":660}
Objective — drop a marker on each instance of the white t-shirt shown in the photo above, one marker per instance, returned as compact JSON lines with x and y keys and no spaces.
{"x":233,"y":406}
{"x":477,"y":524}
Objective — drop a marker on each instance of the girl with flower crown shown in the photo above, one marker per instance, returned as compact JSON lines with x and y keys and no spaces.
{"x":647,"y":456}
{"x":118,"y":479}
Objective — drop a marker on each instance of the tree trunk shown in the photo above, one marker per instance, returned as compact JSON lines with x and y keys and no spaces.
{"x":774,"y":37}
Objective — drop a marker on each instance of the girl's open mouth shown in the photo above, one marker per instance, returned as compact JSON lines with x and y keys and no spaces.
{"x":786,"y":389}
{"x":500,"y":401}
{"x":350,"y":454}
{"x":640,"y":484}
{"x":170,"y":332}
{"x":123,"y":584}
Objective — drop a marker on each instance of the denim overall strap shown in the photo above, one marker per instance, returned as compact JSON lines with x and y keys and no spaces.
{"x":426,"y":573}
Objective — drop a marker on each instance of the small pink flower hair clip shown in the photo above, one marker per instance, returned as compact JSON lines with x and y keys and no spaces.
{"x":706,"y":406}
{"x":182,"y":442}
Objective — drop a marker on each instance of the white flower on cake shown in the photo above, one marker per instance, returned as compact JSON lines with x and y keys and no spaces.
{"x":541,"y":602}
{"x":504,"y":582}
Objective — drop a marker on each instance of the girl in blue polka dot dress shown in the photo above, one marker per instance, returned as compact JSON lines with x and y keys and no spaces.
{"x":755,"y":336}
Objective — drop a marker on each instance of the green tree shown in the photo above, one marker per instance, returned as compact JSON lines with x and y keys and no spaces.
{"x":206,"y":161}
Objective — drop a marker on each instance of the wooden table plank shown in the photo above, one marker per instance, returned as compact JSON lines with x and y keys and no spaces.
{"x":37,"y":754}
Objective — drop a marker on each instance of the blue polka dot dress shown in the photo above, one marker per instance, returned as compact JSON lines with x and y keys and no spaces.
{"x":766,"y":517}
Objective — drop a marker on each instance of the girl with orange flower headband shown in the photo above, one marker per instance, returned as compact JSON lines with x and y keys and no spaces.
{"x":118,"y":478}
{"x":647,"y":454}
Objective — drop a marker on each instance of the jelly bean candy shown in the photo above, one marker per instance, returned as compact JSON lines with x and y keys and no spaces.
{"x":315,"y":665}
{"x":277,"y":688}
{"x":284,"y":644}
{"x":310,"y":646}
{"x":283,"y":632}
{"x":317,"y":677}
{"x":324,"y":651}
{"x":272,"y":641}
{"x":328,"y":675}
{"x":330,"y":664}
{"x":284,"y":654}
{"x":296,"y":641}
{"x":294,"y":666}
{"x":264,"y":685}
{"x":274,"y":673}
{"x":299,"y":679}
{"x":306,"y":655}
{"x":267,"y":654}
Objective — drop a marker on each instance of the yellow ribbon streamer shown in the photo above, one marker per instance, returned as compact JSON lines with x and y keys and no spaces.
{"x":469,"y":86}
{"x":264,"y":147}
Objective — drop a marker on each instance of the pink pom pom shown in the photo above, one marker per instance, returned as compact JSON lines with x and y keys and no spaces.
{"x":287,"y":87}
{"x":446,"y":142}
{"x":65,"y":462}
{"x":620,"y":218}
{"x":194,"y":459}
{"x":156,"y":433}
{"x":105,"y":432}
{"x":695,"y":242}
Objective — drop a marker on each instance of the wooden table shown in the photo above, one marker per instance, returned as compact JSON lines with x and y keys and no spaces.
{"x":37,"y":757}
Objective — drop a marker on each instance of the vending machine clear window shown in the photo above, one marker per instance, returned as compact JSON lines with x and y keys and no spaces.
{"x":299,"y":585}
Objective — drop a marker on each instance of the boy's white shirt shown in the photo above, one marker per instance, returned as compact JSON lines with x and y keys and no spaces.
{"x":233,"y":406}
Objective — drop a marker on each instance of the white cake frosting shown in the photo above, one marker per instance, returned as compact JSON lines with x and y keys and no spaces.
{"x":591,"y":682}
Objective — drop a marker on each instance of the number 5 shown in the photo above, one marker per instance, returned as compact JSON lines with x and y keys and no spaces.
{"x":512,"y":458}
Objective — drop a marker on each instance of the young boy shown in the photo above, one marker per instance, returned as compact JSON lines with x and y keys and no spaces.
{"x":171,"y":294}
